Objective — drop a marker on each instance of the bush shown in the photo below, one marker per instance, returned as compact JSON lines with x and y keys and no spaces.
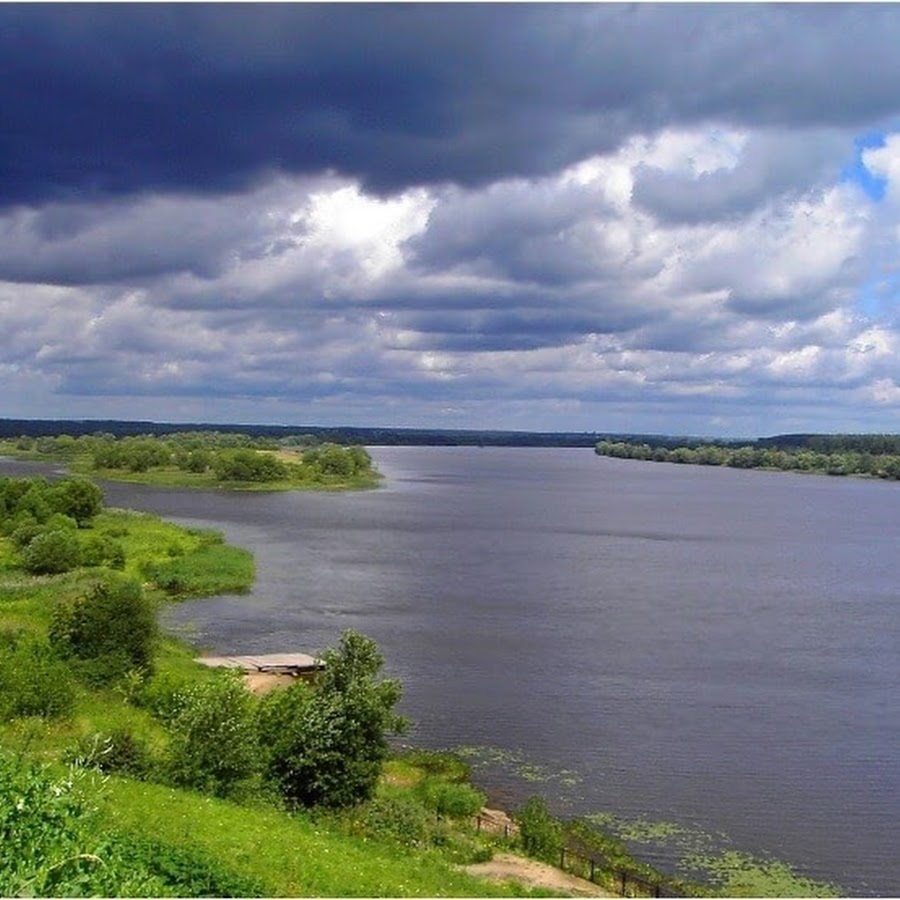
{"x":101,"y":550}
{"x":113,"y":627}
{"x":458,"y":801}
{"x":213,"y":737}
{"x":33,"y":681}
{"x":162,"y":695}
{"x":40,"y":828}
{"x":120,"y":752}
{"x":539,"y":831}
{"x":25,"y":532}
{"x":54,"y":846}
{"x":398,"y":819}
{"x":52,"y":552}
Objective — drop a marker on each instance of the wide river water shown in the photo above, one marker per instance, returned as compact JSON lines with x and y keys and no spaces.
{"x":706,"y":646}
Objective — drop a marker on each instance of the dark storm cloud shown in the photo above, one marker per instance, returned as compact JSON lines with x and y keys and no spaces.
{"x":97,"y":99}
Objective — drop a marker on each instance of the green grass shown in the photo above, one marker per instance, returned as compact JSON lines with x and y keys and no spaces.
{"x":294,"y":856}
{"x":184,"y":562}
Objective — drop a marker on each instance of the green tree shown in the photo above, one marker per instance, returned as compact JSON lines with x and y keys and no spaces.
{"x":325,"y":744}
{"x":78,"y":498}
{"x":539,"y":831}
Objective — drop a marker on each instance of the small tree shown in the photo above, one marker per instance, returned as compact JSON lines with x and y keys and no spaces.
{"x":78,"y":498}
{"x":539,"y":831}
{"x":325,"y":745}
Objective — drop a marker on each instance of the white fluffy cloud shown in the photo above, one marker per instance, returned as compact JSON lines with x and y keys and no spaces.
{"x":676,"y":283}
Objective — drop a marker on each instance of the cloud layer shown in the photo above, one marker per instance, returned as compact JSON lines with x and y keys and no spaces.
{"x":596,"y":217}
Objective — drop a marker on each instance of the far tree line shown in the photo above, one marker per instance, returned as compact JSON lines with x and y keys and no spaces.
{"x":830,"y":455}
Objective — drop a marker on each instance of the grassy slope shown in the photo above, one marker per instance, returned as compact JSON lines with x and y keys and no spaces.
{"x":291,"y":855}
{"x":294,"y":856}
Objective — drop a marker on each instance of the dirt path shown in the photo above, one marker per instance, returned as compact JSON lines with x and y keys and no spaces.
{"x":531,"y":873}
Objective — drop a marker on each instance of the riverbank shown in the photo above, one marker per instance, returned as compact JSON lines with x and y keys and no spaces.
{"x":204,"y":461}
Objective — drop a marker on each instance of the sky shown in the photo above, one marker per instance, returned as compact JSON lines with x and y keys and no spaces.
{"x":655,"y":218}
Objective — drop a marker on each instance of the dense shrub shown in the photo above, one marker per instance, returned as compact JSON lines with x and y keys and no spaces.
{"x":399,"y":819}
{"x":102,"y":550}
{"x":213,"y":737}
{"x":113,"y":627}
{"x":40,"y":828}
{"x":52,"y":552}
{"x":77,"y":498}
{"x":33,"y":680}
{"x":120,"y":752}
{"x":458,"y":801}
{"x":53,"y":845}
{"x":404,"y":820}
{"x":248,"y":465}
{"x":162,"y":695}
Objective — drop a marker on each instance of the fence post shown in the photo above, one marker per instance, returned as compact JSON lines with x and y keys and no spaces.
{"x":506,"y":830}
{"x":562,"y":858}
{"x":624,"y":878}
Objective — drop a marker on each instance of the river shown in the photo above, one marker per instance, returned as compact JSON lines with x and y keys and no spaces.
{"x":711,"y":647}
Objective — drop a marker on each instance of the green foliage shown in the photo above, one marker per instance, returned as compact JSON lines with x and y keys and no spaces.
{"x":37,"y":499}
{"x":102,"y":550}
{"x":401,"y":819}
{"x":77,"y":498}
{"x":162,"y":694}
{"x":458,"y":801}
{"x":440,"y":763}
{"x":248,"y":465}
{"x":325,"y":746}
{"x":113,"y":627}
{"x":871,"y":455}
{"x":119,"y":751}
{"x":213,"y":737}
{"x":541,"y":833}
{"x":52,"y":552}
{"x":33,"y":680}
{"x":54,"y":844}
{"x":41,"y":829}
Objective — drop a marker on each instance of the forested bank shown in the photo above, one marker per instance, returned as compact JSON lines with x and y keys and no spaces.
{"x":876,"y":456}
{"x":204,"y":459}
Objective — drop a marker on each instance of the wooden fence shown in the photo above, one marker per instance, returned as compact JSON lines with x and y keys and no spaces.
{"x":594,"y":867}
